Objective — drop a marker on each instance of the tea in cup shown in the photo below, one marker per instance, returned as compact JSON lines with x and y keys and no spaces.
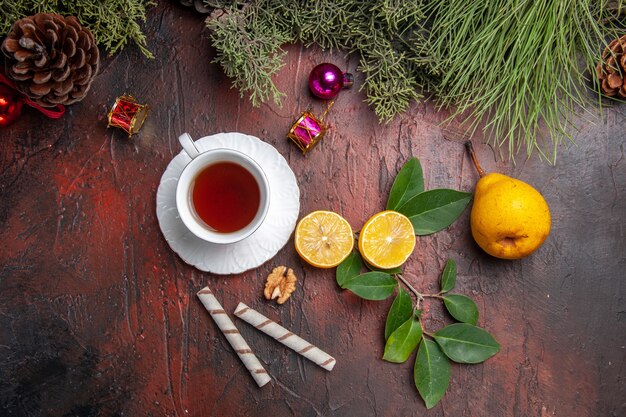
{"x":222,"y":195}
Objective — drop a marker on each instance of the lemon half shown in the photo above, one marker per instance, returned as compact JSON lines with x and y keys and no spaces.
{"x":324,"y":239}
{"x":387,"y":239}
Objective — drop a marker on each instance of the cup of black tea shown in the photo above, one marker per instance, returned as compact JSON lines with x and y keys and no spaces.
{"x":222,"y":195}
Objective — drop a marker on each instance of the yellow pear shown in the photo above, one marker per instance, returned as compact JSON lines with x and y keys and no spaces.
{"x":510,"y":219}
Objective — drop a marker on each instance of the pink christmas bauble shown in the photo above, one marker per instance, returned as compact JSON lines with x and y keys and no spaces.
{"x":325,"y":81}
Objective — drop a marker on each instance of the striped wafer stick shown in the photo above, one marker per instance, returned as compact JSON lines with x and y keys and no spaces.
{"x":233,"y":336}
{"x":285,"y":337}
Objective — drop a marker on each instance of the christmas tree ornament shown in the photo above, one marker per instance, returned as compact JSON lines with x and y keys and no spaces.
{"x":51,"y":59}
{"x":10,"y":105}
{"x":12,"y":100}
{"x":307,"y":131}
{"x":326,"y":80}
{"x":127,"y":114}
{"x":611,"y":71}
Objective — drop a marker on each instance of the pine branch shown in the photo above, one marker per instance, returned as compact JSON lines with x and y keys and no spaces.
{"x":113,"y":22}
{"x":248,"y":45}
{"x":386,"y":35}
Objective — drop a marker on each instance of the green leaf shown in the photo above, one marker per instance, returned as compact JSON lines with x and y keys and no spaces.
{"x":434,"y":210}
{"x":431,"y":372}
{"x":349,"y":268}
{"x":372,"y":285}
{"x":461,"y":308}
{"x":403,"y":341}
{"x":408,"y":183}
{"x":400,"y":311}
{"x":448,"y":277}
{"x":465,"y":343}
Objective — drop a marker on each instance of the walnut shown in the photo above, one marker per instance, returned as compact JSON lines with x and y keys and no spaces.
{"x":280,"y":284}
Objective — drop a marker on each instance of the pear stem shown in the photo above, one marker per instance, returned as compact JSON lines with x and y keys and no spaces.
{"x":470,"y":149}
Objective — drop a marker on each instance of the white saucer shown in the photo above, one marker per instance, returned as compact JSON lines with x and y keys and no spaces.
{"x":257,"y":248}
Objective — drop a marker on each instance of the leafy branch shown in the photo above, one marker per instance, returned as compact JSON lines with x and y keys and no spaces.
{"x":462,"y":342}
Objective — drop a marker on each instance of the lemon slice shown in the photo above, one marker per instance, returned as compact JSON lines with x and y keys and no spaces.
{"x":324,"y":239}
{"x":387,"y":239}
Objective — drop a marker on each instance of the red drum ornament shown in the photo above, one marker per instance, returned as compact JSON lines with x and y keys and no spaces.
{"x":127,"y":114}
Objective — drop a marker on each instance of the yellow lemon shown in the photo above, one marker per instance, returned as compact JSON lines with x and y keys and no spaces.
{"x":387,"y":239}
{"x":510,"y":219}
{"x":324,"y":239}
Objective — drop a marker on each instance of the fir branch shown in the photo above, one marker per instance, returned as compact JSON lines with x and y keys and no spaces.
{"x":389,"y":84}
{"x":248,"y":44}
{"x":513,"y":65}
{"x":113,"y":22}
{"x":384,"y":33}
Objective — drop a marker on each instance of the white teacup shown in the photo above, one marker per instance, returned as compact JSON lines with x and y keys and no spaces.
{"x":184,"y":189}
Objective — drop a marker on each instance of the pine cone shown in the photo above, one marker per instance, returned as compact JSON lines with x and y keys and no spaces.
{"x":611,"y":70}
{"x":199,"y":5}
{"x":52,"y":59}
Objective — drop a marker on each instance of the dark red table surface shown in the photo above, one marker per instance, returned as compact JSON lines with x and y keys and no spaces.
{"x":98,"y":316}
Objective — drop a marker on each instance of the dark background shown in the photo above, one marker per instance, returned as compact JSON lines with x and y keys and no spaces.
{"x":98,"y":317}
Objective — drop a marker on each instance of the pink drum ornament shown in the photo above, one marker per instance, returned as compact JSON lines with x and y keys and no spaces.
{"x":307,"y":131}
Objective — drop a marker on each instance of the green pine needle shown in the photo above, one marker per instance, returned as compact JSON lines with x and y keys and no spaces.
{"x":248,"y":45}
{"x":113,"y":22}
{"x":385,"y":34}
{"x":517,"y":66}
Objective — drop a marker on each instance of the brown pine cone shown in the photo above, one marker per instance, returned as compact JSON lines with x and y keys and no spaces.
{"x":611,"y":70}
{"x":52,"y":59}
